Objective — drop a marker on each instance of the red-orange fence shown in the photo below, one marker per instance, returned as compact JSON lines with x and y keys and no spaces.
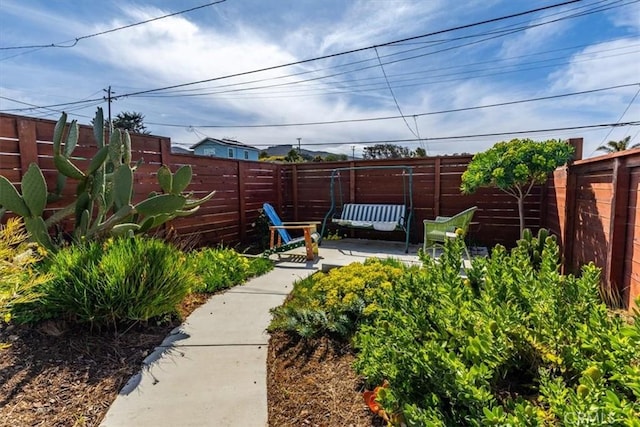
{"x":241,"y":186}
{"x":593,"y":207}
{"x":435,"y":191}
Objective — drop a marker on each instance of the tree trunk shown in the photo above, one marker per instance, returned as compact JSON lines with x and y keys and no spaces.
{"x":521,"y":213}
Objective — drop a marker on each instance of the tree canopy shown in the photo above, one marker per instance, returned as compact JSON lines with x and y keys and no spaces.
{"x":390,"y":151}
{"x":131,"y":121}
{"x":515,"y":167}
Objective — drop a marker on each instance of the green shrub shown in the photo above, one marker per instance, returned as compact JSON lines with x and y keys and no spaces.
{"x":222,"y":268}
{"x":514,"y":343}
{"x":336,"y":302}
{"x":121,"y":280}
{"x":19,"y":279}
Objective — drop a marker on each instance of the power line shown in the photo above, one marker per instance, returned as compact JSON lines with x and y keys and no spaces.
{"x":455,"y":110}
{"x":478,"y":135}
{"x":511,"y":31}
{"x":393,"y":95}
{"x":502,"y":34}
{"x":621,"y":116}
{"x":112,"y":30}
{"x":333,"y":55}
{"x":374,"y":86}
{"x":89,"y":103}
{"x":323,"y":57}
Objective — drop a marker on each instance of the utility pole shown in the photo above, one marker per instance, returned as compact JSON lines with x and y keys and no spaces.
{"x":299,"y":139}
{"x":108,"y":99}
{"x":353,"y":152}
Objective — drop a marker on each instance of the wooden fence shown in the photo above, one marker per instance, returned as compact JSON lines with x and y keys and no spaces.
{"x":436,"y":191}
{"x":592,"y":205}
{"x":241,"y":186}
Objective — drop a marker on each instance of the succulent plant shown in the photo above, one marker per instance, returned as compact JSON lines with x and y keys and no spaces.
{"x":103,"y":204}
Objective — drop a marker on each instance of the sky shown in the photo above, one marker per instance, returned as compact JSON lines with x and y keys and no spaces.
{"x":417,"y":73}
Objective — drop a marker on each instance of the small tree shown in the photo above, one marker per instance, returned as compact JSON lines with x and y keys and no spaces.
{"x":515,"y":167}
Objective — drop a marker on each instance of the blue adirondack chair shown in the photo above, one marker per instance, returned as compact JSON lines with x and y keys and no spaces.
{"x":284,"y":241}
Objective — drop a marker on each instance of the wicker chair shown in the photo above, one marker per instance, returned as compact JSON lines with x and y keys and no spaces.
{"x":437,"y":231}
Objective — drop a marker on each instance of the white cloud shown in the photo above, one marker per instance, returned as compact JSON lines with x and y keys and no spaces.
{"x":603,"y":69}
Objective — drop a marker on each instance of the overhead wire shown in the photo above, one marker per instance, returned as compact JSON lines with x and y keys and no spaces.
{"x":112,"y":30}
{"x":335,"y":54}
{"x":372,"y":85}
{"x":435,"y":139}
{"x":621,"y":116}
{"x":393,"y":95}
{"x":502,"y":34}
{"x":454,"y":110}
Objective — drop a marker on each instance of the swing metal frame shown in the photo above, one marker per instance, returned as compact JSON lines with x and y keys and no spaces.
{"x":403,"y":223}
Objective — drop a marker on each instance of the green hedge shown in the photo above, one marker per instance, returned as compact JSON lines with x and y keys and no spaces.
{"x":509,"y":342}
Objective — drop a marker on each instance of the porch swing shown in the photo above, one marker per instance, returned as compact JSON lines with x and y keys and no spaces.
{"x":379,"y":216}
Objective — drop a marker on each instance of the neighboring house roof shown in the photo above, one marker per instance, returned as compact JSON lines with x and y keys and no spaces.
{"x":223,"y":141}
{"x":180,"y":150}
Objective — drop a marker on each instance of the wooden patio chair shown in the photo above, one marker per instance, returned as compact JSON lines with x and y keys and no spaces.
{"x":437,"y":231}
{"x":284,"y":241}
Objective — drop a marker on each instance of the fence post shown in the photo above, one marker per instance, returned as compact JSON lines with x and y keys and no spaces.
{"x":614,"y":271}
{"x":436,"y":188}
{"x":27,"y":144}
{"x":569,"y":221}
{"x":576,"y":143}
{"x":279,"y":187}
{"x":165,"y":151}
{"x":294,"y":173}
{"x":241,"y":200}
{"x":352,"y":183}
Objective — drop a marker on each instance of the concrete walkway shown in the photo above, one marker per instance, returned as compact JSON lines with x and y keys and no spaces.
{"x":211,"y":371}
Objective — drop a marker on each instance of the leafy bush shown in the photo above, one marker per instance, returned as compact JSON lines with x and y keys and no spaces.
{"x":18,"y":277}
{"x":336,"y":302}
{"x":222,"y":268}
{"x":126,"y":279}
{"x":513,"y":343}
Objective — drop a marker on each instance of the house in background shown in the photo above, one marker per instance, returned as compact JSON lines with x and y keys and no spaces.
{"x":225,"y":148}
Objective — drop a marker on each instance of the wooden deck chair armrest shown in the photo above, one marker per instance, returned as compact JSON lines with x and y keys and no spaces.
{"x":290,"y":227}
{"x":302,"y":222}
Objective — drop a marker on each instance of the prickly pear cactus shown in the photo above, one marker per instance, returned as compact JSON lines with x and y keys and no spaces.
{"x":103,"y":204}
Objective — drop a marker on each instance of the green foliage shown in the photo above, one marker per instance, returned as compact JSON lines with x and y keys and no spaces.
{"x":386,"y":151}
{"x":130,"y":121}
{"x":336,"y":302}
{"x":19,"y":279}
{"x":514,"y":343}
{"x":222,"y":268}
{"x":103,"y":205}
{"x":516,"y":163}
{"x":514,"y":167}
{"x":293,"y":156}
{"x":105,"y":284}
{"x":617,"y":146}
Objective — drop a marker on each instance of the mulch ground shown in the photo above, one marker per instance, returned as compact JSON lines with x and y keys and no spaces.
{"x":58,"y":375}
{"x":311,"y":383}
